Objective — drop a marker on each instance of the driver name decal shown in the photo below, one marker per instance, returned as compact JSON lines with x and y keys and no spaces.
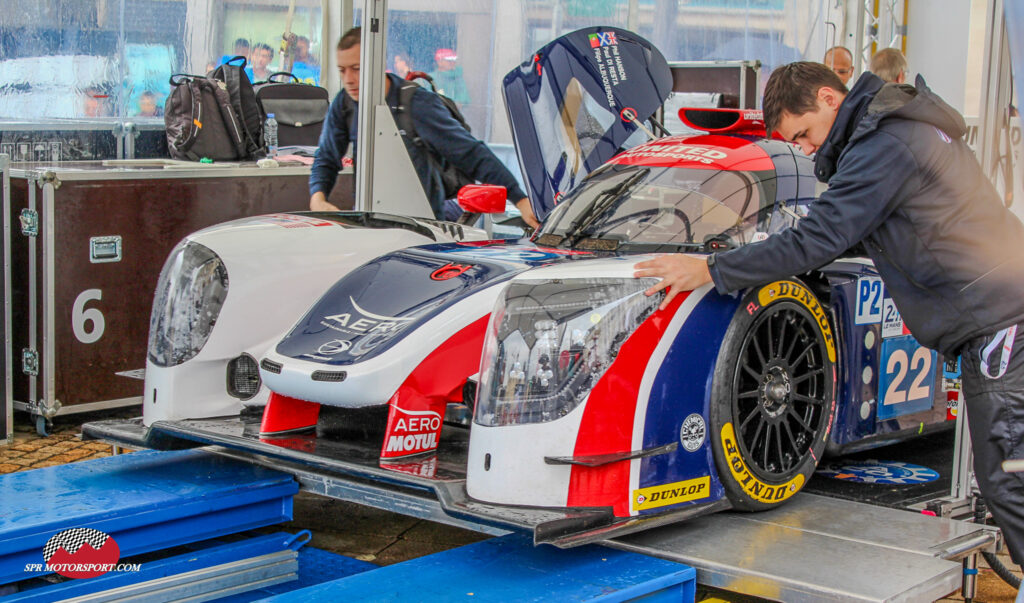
{"x":796,"y":292}
{"x":609,"y":62}
{"x":670,"y":494}
{"x":754,"y":487}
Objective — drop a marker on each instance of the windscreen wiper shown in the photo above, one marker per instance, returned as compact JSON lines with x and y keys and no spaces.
{"x":651,"y":247}
{"x":578,"y":228}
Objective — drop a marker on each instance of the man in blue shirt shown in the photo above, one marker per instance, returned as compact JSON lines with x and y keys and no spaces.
{"x":442,"y":134}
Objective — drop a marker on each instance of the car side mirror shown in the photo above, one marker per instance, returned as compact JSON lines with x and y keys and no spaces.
{"x":483,"y":198}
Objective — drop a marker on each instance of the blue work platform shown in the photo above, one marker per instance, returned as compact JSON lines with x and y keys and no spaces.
{"x":146,"y":501}
{"x":512,"y":569}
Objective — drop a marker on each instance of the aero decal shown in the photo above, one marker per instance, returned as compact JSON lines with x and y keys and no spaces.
{"x":608,"y":416}
{"x":425,"y":393}
{"x":796,"y":292}
{"x":670,"y":494}
{"x":754,"y":487}
{"x":413,"y":431}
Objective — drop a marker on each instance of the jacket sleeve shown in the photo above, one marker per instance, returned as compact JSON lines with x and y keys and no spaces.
{"x":334,"y":139}
{"x":871,"y":180}
{"x":447,"y":138}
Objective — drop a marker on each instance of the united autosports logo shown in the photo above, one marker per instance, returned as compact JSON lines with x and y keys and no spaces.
{"x":81,"y":553}
{"x":603,"y":39}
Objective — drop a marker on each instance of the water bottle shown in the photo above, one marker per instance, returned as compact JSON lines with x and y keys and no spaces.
{"x":270,"y":135}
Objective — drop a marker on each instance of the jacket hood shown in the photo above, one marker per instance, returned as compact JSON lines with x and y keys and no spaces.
{"x":872,"y":101}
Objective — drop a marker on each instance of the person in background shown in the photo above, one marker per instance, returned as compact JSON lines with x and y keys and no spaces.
{"x":890,"y":65}
{"x":306,"y":67}
{"x":259,"y":70}
{"x":148,"y":107}
{"x":402,"y":64}
{"x":302,"y":52}
{"x":448,"y":76}
{"x":902,"y":181}
{"x":95,"y":102}
{"x":840,"y":60}
{"x":443,"y":137}
{"x":241,"y":50}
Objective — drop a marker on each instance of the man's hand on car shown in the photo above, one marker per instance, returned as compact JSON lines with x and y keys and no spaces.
{"x":527,"y":211}
{"x":318,"y":202}
{"x":678,"y":273}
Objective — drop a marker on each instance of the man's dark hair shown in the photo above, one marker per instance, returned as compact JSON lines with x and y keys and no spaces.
{"x":242,"y":42}
{"x":793,"y":89}
{"x":262,"y":46}
{"x":350,"y":38}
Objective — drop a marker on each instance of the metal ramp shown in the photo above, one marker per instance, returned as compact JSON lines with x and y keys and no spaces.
{"x":813,"y":548}
{"x":816,"y":548}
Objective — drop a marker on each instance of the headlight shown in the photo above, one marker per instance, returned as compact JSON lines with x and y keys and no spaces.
{"x":189,"y":296}
{"x":549,"y":342}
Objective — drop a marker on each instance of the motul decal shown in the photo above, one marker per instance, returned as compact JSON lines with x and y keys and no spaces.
{"x":411,"y":431}
{"x":449,"y":270}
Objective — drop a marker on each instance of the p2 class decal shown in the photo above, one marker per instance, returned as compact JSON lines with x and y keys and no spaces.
{"x":450,"y":270}
{"x":870,"y":293}
{"x":794,"y":291}
{"x":564,"y":105}
{"x":878,"y":472}
{"x":670,"y":494}
{"x":755,"y":488}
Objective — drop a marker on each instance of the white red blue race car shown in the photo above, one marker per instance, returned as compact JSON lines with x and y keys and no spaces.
{"x":593,"y":412}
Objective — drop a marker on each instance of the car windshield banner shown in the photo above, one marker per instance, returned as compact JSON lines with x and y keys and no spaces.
{"x":574,"y":104}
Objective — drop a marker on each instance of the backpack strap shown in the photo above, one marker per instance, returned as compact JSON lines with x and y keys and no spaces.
{"x":233,"y":79}
{"x":403,"y":115}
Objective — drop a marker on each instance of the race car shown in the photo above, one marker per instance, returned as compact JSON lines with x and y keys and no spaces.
{"x":593,"y":412}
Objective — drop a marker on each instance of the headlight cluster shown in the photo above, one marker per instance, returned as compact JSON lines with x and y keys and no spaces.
{"x":550,"y":341}
{"x":190,"y":293}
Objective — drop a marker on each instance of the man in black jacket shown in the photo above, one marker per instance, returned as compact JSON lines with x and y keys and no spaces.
{"x":903,"y":182}
{"x":441,"y":134}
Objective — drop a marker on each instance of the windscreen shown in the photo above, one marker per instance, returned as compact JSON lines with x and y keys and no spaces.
{"x":666,"y":205}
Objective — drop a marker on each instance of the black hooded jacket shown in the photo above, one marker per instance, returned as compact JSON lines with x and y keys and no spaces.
{"x":902,"y":180}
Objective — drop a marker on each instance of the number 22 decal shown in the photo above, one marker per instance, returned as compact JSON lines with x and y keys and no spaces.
{"x":920,"y":367}
{"x":906,"y":382}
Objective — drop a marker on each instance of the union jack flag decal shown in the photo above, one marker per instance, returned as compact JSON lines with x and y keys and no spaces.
{"x":603,"y":39}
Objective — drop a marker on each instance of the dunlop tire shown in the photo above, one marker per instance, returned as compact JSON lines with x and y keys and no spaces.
{"x":747,"y":487}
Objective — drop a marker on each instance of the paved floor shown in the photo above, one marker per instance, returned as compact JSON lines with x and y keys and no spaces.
{"x":348,"y":529}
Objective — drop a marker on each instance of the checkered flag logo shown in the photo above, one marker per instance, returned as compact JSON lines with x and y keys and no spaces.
{"x":72,"y":540}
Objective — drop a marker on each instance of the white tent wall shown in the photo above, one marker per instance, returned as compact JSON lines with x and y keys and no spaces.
{"x":937,"y":46}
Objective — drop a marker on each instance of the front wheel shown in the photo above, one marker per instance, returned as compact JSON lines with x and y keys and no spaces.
{"x":773,"y":397}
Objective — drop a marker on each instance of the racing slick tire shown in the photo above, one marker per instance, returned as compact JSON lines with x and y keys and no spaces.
{"x":773,"y":396}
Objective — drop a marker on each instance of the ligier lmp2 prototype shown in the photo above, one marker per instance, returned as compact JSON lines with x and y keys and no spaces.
{"x":593,"y":412}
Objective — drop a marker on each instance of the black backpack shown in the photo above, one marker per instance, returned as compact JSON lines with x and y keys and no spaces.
{"x":245,"y":103}
{"x":200,"y":121}
{"x":452,"y":177}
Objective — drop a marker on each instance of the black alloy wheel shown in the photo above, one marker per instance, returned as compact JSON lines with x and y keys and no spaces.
{"x":773,"y":397}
